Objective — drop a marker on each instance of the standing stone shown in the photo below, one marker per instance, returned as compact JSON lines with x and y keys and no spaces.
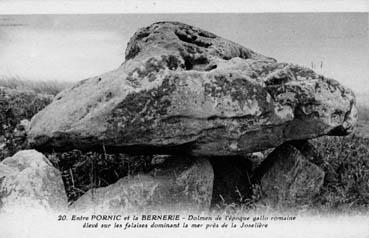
{"x":179,"y":184}
{"x":182,"y":86}
{"x":288,"y":178}
{"x":29,"y":181}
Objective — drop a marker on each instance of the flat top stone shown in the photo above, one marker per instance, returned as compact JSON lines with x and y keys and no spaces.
{"x":181,"y":86}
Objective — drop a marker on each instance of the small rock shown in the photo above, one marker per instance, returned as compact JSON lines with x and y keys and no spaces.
{"x":28,"y":180}
{"x":25,"y":124}
{"x":2,"y":142}
{"x":159,"y":159}
{"x":288,"y":178}
{"x":179,"y":184}
{"x":256,"y":157}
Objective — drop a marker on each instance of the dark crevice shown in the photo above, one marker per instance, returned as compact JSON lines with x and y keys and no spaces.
{"x":142,"y":35}
{"x":277,"y":81}
{"x":191,"y":38}
{"x":338,"y":131}
{"x":207,"y":34}
{"x":132,"y":52}
{"x":231,"y":179}
{"x":202,"y":43}
{"x":213,"y":117}
{"x":211,"y":67}
{"x":183,"y":149}
{"x":185,"y":37}
{"x":108,"y":96}
{"x":191,"y":62}
{"x":300,"y":114}
{"x":244,"y":54}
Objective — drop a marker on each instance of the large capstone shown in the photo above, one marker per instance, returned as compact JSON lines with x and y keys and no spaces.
{"x":183,"y":87}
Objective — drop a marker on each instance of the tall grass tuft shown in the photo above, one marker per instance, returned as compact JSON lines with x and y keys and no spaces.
{"x":50,"y":87}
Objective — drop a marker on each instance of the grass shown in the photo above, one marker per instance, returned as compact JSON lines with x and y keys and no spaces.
{"x":362,"y":128}
{"x":15,"y":106}
{"x":41,"y":87}
{"x":363,"y":112}
{"x":345,"y":160}
{"x":21,"y":99}
{"x":82,"y":171}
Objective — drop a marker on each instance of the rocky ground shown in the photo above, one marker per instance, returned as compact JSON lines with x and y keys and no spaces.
{"x":196,"y":123}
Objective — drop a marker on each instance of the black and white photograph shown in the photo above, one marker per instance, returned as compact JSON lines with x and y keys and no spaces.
{"x":174,"y":119}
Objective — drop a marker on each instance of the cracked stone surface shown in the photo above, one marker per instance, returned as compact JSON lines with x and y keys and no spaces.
{"x":289,"y":177}
{"x":29,"y":181}
{"x":183,"y":87}
{"x":180,"y":184}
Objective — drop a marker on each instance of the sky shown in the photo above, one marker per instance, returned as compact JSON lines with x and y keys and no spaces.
{"x":75,"y":47}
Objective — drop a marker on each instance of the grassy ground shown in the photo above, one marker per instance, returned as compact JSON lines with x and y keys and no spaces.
{"x":19,"y":100}
{"x":15,"y":106}
{"x":83,"y":171}
{"x":42,"y":87}
{"x":345,"y":160}
{"x":362,"y":128}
